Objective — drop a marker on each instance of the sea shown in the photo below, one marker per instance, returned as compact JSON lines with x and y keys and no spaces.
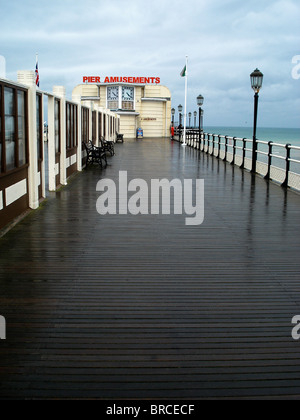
{"x":277,"y":135}
{"x":282,"y":136}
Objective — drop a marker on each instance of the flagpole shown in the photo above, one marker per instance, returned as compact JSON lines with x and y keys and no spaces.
{"x":185,"y":102}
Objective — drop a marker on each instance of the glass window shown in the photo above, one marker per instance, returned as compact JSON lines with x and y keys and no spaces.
{"x":9,"y":110}
{"x":100,"y":125}
{"x":21,"y":128}
{"x":57,"y":125}
{"x":68,"y":127}
{"x":113,"y":97}
{"x":85,"y":124}
{"x":94,"y":126}
{"x":39,"y":127}
{"x":71,"y":126}
{"x":13,"y":128}
{"x":75,"y":126}
{"x":1,"y":110}
{"x":128,"y":98}
{"x":120,"y":98}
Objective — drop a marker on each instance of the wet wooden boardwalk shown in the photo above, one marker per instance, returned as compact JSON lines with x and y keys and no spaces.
{"x":146,"y":307}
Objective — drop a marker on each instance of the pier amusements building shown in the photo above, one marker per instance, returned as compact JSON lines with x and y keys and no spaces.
{"x":141,"y":102}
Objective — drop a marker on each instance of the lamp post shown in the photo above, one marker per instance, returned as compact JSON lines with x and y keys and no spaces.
{"x":180,"y":108}
{"x":256,"y":84}
{"x":200,"y":101}
{"x":190,"y":116}
{"x":195,"y":118}
{"x":173,"y":115}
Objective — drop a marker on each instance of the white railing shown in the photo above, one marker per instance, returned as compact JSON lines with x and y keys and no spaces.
{"x":274,"y":161}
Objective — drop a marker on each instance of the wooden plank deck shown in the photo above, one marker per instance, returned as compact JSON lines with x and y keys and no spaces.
{"x":145,"y":307}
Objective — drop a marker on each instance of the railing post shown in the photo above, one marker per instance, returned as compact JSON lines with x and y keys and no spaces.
{"x":219,"y":146}
{"x":226,"y":148}
{"x":234,"y":151}
{"x":244,"y":153}
{"x":208,"y":141}
{"x":213,"y":144}
{"x":270,"y":150}
{"x":287,"y":165}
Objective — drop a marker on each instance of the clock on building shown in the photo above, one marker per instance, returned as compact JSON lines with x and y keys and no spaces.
{"x":128,"y":93}
{"x":113,"y":93}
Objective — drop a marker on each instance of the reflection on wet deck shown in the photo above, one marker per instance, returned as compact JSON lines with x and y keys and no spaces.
{"x":146,"y":307}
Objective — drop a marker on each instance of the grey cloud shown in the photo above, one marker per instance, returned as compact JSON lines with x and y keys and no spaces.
{"x":225,"y":41}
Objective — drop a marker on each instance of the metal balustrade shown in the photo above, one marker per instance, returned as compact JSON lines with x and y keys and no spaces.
{"x":275,"y":161}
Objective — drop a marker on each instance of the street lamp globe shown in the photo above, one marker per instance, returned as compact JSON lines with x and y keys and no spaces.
{"x":256,"y":80}
{"x":200,"y":100}
{"x":180,"y":108}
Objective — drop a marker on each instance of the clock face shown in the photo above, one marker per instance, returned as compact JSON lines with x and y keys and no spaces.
{"x":113,"y":93}
{"x":127,"y":93}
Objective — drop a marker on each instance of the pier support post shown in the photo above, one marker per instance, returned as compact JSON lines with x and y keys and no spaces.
{"x":60,"y":92}
{"x":28,"y":78}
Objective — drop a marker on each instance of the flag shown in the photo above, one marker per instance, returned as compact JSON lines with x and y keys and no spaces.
{"x":37,"y":76}
{"x":183,"y":73}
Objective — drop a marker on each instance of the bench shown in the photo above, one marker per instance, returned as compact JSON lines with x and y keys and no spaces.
{"x":108,"y":146}
{"x":95,"y":154}
{"x":120,"y":137}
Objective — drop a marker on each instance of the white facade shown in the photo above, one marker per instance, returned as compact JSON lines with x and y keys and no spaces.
{"x":139,"y":106}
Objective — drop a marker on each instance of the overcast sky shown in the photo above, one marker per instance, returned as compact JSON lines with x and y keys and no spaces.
{"x":224,"y":39}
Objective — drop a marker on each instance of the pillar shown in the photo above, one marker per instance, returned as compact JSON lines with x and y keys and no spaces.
{"x":60,"y":92}
{"x":27,"y":78}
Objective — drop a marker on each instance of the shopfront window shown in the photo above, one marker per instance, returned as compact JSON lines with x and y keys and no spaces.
{"x":10,"y":127}
{"x":57,"y":125}
{"x":1,"y":153}
{"x":13,"y":128}
{"x":99,"y":125}
{"x":85,"y":125}
{"x":21,"y":128}
{"x":71,"y":126}
{"x":39,"y":127}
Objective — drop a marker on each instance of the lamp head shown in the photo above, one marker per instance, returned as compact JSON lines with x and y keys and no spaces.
{"x":256,"y":80}
{"x":200,"y":100}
